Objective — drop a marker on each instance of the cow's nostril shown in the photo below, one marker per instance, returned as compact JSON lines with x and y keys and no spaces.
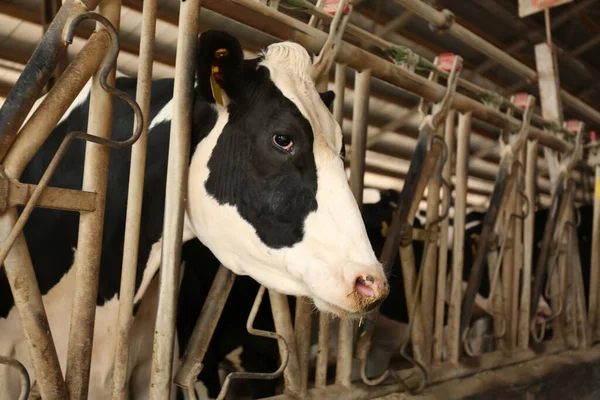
{"x":364,"y":285}
{"x":369,"y":278}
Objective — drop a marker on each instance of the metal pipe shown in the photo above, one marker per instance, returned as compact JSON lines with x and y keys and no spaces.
{"x":447,"y":23}
{"x":177,"y":171}
{"x":340,"y":86}
{"x":582,"y":327}
{"x":430,"y":267}
{"x":23,"y":375}
{"x":41,"y":124}
{"x":357,"y":164}
{"x":302,"y":330}
{"x":288,"y":28}
{"x":28,"y":301}
{"x":190,"y":364}
{"x":462,"y":161}
{"x":528,"y":242}
{"x":438,"y":340}
{"x":323,"y":351}
{"x":134,"y":205}
{"x":38,"y":70}
{"x":594,"y":309}
{"x":518,"y":245}
{"x":87,"y":257}
{"x":509,"y":267}
{"x":283,"y":326}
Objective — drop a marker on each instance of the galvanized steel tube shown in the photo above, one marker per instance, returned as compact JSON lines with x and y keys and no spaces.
{"x":135,"y":194}
{"x":462,"y":161}
{"x":89,"y":242}
{"x":440,"y":306}
{"x":528,"y":243}
{"x":177,"y":172}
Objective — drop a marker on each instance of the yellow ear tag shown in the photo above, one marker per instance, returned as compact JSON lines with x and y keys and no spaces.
{"x":384,"y":228}
{"x":215,"y":69}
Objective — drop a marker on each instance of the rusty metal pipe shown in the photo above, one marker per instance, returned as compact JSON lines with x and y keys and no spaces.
{"x":438,"y":336}
{"x":177,"y":171}
{"x":37,"y":72}
{"x":41,"y":124}
{"x":87,"y":257}
{"x":23,"y":375}
{"x":594,"y":309}
{"x":283,"y":326}
{"x":456,"y":293}
{"x":530,"y":189}
{"x":190,"y":364}
{"x":134,"y":205}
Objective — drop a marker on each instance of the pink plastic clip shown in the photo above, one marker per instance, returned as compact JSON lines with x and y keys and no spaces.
{"x":520,"y":100}
{"x":593,"y":136}
{"x":332,"y":5}
{"x":573,"y":126}
{"x":446,"y":60}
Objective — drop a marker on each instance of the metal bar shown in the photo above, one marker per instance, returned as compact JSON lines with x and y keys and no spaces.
{"x":87,"y":257}
{"x":528,"y":242}
{"x":28,"y":301}
{"x":283,"y":326}
{"x":430,"y":268}
{"x":565,"y":271}
{"x":462,"y":161}
{"x":357,"y":164}
{"x":323,"y":351}
{"x":509,"y":268}
{"x":190,"y":364}
{"x":52,"y":197}
{"x":288,"y":28}
{"x":302,"y":330}
{"x":135,"y":195}
{"x":41,"y":124}
{"x":594,"y":309}
{"x":38,"y":70}
{"x":582,"y":326}
{"x":438,"y":339}
{"x":177,"y":171}
{"x":395,"y":24}
{"x":456,"y":30}
{"x":340,"y":86}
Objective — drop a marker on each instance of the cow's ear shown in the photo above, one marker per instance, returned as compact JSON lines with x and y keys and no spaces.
{"x":328,"y":98}
{"x":220,"y":56}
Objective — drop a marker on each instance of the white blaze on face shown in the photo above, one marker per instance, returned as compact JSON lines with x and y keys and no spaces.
{"x":335,"y":249}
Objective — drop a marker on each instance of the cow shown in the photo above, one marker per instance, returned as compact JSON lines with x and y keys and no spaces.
{"x":266,"y":193}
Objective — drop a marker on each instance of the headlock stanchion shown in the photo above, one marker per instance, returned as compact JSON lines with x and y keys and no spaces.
{"x":426,"y":159}
{"x":504,"y":182}
{"x":561,"y":198}
{"x":594,"y":309}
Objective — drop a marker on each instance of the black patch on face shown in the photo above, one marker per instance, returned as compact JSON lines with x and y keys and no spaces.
{"x":272,"y":189}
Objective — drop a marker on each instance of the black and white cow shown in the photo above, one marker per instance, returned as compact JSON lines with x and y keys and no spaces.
{"x":267,"y":194}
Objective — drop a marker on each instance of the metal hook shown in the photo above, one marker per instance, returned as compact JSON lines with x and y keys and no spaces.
{"x":23,"y":375}
{"x":108,"y":64}
{"x":257,"y":332}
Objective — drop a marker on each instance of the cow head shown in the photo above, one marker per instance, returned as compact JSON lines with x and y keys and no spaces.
{"x":267,"y":191}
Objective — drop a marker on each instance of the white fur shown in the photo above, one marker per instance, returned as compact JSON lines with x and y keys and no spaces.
{"x":335,"y":247}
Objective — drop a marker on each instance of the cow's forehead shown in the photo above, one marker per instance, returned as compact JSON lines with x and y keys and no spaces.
{"x":290,"y":67}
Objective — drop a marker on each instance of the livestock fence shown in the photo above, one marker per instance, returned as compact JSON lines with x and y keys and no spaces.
{"x":449,"y":104}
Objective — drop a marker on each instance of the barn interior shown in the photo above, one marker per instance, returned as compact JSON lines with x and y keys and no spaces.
{"x":501,"y":57}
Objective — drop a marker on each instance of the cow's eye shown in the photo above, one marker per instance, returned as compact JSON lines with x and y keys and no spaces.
{"x":283,"y":142}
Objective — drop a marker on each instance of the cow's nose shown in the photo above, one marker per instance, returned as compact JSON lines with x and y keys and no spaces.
{"x":371,"y":287}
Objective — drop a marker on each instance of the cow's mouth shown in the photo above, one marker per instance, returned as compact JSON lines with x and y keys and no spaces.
{"x":340,"y":311}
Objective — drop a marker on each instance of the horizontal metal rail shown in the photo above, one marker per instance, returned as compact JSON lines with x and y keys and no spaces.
{"x":284,"y":27}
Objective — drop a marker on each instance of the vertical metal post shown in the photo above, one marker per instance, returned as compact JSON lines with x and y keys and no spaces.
{"x":581,"y":321}
{"x":517,"y":249}
{"x":91,"y":225}
{"x":49,"y":10}
{"x":177,"y":170}
{"x":462,"y":162}
{"x":283,"y":325}
{"x":438,"y":339}
{"x":340,"y":87}
{"x":508,"y":270}
{"x":528,"y":242}
{"x":357,"y":174}
{"x":550,"y":98}
{"x":430,"y":267}
{"x":134,"y":205}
